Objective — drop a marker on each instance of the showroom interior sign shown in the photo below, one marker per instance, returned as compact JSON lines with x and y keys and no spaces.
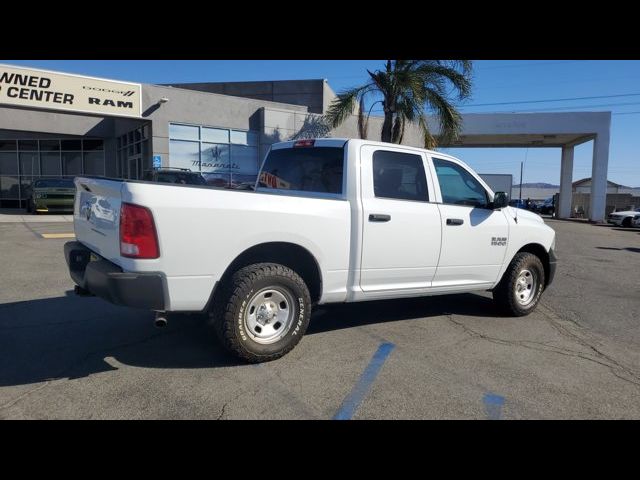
{"x":62,"y":91}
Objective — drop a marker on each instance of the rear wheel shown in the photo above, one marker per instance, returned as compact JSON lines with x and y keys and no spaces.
{"x":521,"y":286}
{"x":262,"y":312}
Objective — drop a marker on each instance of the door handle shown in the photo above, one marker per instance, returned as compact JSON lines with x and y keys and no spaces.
{"x":379,"y":217}
{"x":454,"y":221}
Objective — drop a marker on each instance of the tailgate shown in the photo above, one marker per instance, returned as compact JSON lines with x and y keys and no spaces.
{"x":96,"y":216}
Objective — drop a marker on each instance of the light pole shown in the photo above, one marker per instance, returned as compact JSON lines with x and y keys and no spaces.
{"x":521,"y":170}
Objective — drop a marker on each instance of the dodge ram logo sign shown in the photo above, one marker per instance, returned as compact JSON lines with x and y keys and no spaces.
{"x":26,"y":87}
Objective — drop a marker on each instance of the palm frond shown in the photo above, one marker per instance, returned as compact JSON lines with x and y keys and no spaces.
{"x":344,"y":104}
{"x":429,"y":140}
{"x":449,"y":118}
{"x":436,"y":74}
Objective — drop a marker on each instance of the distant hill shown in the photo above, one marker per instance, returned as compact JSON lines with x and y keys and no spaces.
{"x":537,"y":185}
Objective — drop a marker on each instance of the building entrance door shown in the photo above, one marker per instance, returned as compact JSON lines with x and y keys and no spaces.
{"x":134,"y":168}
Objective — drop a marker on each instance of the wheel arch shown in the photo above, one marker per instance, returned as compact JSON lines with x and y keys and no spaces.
{"x":291,"y":255}
{"x":540,"y":252}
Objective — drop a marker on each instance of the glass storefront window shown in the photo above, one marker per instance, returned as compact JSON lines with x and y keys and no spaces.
{"x":94,"y":144}
{"x":244,"y":159}
{"x":35,"y":159}
{"x":9,"y":187}
{"x":71,"y":163}
{"x":244,"y":138}
{"x":25,"y":145}
{"x":185,"y":154}
{"x":8,"y":163}
{"x":94,"y":163}
{"x":71,"y":145}
{"x":50,"y":163}
{"x":133,"y":156}
{"x":215,"y":158}
{"x":29,"y":163}
{"x":215,"y":135}
{"x":227,"y":156}
{"x":184,"y":132}
{"x":7,"y":145}
{"x":50,"y":145}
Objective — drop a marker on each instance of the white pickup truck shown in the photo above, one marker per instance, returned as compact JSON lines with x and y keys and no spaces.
{"x":329,"y":221}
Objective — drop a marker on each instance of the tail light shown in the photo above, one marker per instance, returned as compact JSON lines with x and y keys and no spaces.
{"x":138,"y":237}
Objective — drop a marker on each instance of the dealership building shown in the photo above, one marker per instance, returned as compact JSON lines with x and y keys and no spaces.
{"x":59,"y":124}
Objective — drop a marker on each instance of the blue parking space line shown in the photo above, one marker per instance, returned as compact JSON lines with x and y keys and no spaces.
{"x":493,"y":405}
{"x":361,"y":388}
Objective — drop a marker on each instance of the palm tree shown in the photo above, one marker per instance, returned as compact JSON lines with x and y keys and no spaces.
{"x":408,"y":89}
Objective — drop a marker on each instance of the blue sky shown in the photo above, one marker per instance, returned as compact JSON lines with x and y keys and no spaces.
{"x":494,"y":81}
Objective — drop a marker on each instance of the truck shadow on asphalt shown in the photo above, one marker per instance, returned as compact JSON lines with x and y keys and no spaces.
{"x":72,"y":337}
{"x":628,"y":249}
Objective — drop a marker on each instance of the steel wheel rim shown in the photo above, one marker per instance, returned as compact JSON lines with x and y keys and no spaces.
{"x":269,"y":315}
{"x":525,"y":287}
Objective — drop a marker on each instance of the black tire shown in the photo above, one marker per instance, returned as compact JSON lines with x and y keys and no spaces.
{"x":228,"y":312}
{"x":626,"y":223}
{"x":505,"y":293}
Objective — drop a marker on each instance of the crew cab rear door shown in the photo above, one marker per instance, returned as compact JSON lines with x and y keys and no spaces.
{"x":401,"y":227}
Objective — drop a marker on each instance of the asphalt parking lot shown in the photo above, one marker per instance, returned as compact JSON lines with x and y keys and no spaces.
{"x":451,"y":357}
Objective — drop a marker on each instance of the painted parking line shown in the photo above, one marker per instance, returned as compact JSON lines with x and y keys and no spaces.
{"x":57,"y":235}
{"x":493,"y":405}
{"x":362,"y":387}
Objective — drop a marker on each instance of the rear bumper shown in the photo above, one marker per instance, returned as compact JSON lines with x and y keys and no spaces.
{"x":107,"y":280}
{"x":553,"y":264}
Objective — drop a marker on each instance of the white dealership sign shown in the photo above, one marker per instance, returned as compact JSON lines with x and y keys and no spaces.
{"x":64,"y":91}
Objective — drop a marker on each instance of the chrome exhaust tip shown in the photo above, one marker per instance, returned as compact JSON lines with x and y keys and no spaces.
{"x":160,"y":321}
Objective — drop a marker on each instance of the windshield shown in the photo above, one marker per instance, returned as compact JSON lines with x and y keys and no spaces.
{"x":54,"y":183}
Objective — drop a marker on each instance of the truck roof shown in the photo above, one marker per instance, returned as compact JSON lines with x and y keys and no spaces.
{"x":340,"y":142}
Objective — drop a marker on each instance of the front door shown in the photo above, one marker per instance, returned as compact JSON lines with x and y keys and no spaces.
{"x":474,"y":237}
{"x":401,"y":227}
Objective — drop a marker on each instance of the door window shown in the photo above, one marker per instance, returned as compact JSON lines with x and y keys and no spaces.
{"x":458,"y":186}
{"x":399,"y":176}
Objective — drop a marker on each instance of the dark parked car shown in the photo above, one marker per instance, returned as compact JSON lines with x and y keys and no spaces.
{"x":547,"y":207}
{"x":518,"y":203}
{"x":51,"y":195}
{"x":174,"y":175}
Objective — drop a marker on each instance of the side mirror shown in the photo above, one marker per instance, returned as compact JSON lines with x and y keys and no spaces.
{"x":500,"y":200}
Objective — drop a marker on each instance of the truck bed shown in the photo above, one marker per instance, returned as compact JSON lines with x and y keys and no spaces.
{"x":202,"y":229}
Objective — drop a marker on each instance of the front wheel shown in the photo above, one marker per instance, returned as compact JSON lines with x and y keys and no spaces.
{"x":626,"y":223}
{"x":521,"y":286}
{"x":262,"y":312}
